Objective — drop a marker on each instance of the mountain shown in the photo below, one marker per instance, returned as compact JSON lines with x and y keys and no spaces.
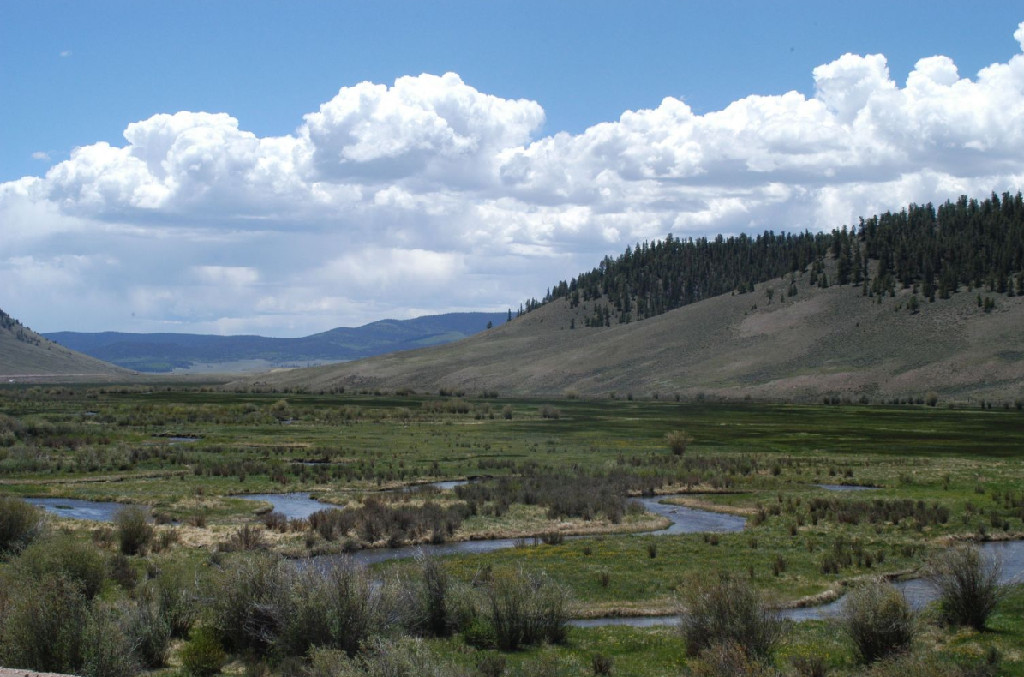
{"x":908,"y":304}
{"x":26,"y":355}
{"x":821,"y":342}
{"x":202,"y":352}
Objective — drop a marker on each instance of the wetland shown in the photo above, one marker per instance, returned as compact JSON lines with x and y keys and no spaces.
{"x":802,"y":502}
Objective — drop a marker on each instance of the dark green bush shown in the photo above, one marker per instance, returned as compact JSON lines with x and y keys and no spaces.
{"x":877,"y":618}
{"x":202,"y":655}
{"x":134,"y":532}
{"x":19,"y":524}
{"x":437,"y":620}
{"x":62,"y":554}
{"x":728,"y":609}
{"x":968,"y":585}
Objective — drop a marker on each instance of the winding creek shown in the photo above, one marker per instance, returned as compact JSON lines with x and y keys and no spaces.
{"x":96,"y":511}
{"x":683,"y":520}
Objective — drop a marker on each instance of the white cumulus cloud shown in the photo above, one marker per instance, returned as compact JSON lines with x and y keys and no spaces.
{"x":428,"y":194}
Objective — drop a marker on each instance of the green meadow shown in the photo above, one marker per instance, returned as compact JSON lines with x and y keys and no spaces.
{"x":558,"y":476}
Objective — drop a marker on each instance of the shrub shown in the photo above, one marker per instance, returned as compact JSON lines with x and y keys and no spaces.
{"x":678,"y":441}
{"x":339,"y":608}
{"x":248,"y":603}
{"x":134,"y":532}
{"x":968,"y":585}
{"x":122,"y":572}
{"x":877,"y":618}
{"x":436,"y":617}
{"x":108,"y":646}
{"x":176,"y":591}
{"x":63,"y":554}
{"x":20,"y":522}
{"x":728,"y":609}
{"x":248,"y":537}
{"x":729,"y":659}
{"x":527,"y":609}
{"x":383,"y":658}
{"x":602,"y":664}
{"x":202,"y":655}
{"x":149,"y":630}
{"x":42,"y":629}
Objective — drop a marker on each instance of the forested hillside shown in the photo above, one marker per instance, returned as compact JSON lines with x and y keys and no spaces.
{"x":972,"y":244}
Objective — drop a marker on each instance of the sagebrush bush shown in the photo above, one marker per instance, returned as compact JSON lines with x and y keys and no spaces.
{"x":729,"y":659}
{"x":248,"y":602}
{"x":437,"y":620}
{"x":62,"y":554}
{"x":678,"y":441}
{"x":384,"y":658}
{"x":527,"y":608}
{"x":108,"y":645}
{"x":43,"y":623}
{"x":728,"y":609}
{"x":134,"y":533}
{"x":968,"y":585}
{"x":339,"y":608}
{"x":176,"y":590}
{"x":149,"y":630}
{"x":20,"y":522}
{"x":878,"y":620}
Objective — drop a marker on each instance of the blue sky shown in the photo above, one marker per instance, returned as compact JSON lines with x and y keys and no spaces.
{"x":267,"y":63}
{"x":564,"y":132}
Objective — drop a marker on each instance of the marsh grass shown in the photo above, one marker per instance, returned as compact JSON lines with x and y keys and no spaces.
{"x":924,"y":462}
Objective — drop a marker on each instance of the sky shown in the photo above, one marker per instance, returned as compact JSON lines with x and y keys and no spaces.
{"x":283,"y":168}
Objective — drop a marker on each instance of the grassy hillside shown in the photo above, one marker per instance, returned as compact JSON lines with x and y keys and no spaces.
{"x":25,"y":355}
{"x":820,"y":342}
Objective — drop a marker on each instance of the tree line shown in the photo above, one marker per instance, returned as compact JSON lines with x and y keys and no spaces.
{"x":967,"y":243}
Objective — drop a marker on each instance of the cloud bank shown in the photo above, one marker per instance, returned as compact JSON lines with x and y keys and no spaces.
{"x":429,"y":196}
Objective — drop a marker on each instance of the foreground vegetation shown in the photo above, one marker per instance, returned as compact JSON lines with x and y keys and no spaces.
{"x":211,"y":582}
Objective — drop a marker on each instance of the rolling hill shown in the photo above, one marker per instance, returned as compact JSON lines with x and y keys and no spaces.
{"x":28,"y":356}
{"x":926,"y":300}
{"x":161,"y":353}
{"x":832,"y":341}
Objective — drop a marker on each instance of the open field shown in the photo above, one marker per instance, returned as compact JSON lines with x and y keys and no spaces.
{"x":550,"y":468}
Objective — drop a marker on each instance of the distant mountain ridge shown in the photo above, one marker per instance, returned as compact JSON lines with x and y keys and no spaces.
{"x":166,"y":352}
